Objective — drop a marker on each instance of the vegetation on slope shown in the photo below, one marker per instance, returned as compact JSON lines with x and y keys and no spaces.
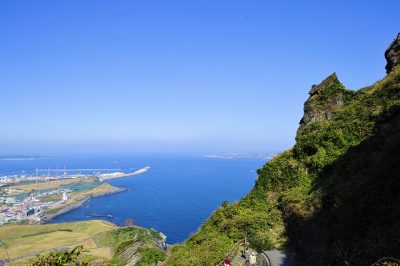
{"x":133,"y":245}
{"x":150,"y":256}
{"x":333,"y":198}
{"x":354,"y":205}
{"x":101,"y":243}
{"x":62,"y":258}
{"x":23,"y":240}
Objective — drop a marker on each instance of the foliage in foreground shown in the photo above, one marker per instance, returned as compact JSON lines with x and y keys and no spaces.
{"x":119,"y":238}
{"x":62,"y":258}
{"x":150,"y":256}
{"x":126,"y":243}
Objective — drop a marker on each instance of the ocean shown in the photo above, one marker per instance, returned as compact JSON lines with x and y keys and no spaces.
{"x":174,"y":197}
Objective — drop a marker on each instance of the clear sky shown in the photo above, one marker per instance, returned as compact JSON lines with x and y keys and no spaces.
{"x":177,"y":76}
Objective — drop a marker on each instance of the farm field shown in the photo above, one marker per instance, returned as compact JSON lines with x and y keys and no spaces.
{"x":23,"y":242}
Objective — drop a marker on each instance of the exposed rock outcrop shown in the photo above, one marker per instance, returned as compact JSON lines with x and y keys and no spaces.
{"x":324,"y":99}
{"x":392,"y":55}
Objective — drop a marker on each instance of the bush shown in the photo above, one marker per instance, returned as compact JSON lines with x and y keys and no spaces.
{"x":150,"y":256}
{"x":62,"y":258}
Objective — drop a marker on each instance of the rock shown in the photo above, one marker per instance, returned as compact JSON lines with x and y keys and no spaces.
{"x":134,"y":260}
{"x":317,"y":89}
{"x":392,"y":55}
{"x":130,"y":254}
{"x":324,"y":99}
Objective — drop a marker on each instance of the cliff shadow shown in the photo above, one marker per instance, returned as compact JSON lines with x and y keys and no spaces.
{"x":358,"y":221}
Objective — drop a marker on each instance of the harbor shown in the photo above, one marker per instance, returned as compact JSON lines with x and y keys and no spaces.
{"x":39,"y":198}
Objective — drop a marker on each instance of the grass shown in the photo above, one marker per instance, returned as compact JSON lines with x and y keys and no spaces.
{"x":24,"y":240}
{"x":47,"y":232}
{"x":103,"y":188}
{"x":52,"y":197}
{"x":54,"y":210}
{"x":118,"y":239}
{"x":80,"y":195}
{"x":101,"y":240}
{"x":47,"y":185}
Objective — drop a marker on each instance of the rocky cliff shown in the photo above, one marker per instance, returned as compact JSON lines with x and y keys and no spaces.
{"x":324,"y":99}
{"x":392,"y":55}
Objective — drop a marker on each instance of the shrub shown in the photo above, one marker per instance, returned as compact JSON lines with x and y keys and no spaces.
{"x":62,"y":258}
{"x":150,"y":256}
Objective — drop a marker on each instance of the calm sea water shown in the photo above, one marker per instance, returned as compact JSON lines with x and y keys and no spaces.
{"x":175,"y":196}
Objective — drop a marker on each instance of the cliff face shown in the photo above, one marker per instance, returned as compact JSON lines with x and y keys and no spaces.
{"x":334,"y":198}
{"x":353,"y":212}
{"x":392,"y":55}
{"x":324,"y":99}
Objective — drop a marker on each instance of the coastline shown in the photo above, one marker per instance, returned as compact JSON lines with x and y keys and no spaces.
{"x":48,"y":218}
{"x":80,"y":202}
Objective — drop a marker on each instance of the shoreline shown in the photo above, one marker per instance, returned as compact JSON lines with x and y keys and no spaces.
{"x":80,"y":203}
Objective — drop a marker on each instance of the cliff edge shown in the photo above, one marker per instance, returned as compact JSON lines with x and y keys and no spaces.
{"x":392,"y":55}
{"x":324,"y":99}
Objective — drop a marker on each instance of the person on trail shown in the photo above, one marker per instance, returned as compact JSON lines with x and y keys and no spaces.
{"x":247,"y":256}
{"x":227,"y":261}
{"x":253,"y":258}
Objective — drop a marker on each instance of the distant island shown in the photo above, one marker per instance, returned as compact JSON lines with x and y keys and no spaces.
{"x":23,"y":157}
{"x":265,"y":156}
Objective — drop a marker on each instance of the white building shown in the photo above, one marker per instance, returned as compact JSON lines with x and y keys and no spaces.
{"x":65,"y":196}
{"x":10,"y":200}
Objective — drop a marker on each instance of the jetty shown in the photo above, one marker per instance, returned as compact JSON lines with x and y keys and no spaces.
{"x":98,"y":215}
{"x":103,"y":177}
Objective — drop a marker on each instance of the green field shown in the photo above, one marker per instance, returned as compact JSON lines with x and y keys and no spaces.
{"x":101,"y":240}
{"x":25,"y":241}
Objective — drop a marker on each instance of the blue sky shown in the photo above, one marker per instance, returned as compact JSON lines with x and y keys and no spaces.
{"x":177,"y":76}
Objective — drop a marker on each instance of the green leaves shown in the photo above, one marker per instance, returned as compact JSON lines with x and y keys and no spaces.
{"x":150,"y":256}
{"x":62,"y":258}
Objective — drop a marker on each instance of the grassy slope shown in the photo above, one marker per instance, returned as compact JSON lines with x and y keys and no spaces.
{"x":318,"y":188}
{"x":100,"y":239}
{"x":23,"y":240}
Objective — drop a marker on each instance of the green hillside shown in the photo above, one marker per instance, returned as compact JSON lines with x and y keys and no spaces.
{"x":334,"y":198}
{"x":102,"y":243}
